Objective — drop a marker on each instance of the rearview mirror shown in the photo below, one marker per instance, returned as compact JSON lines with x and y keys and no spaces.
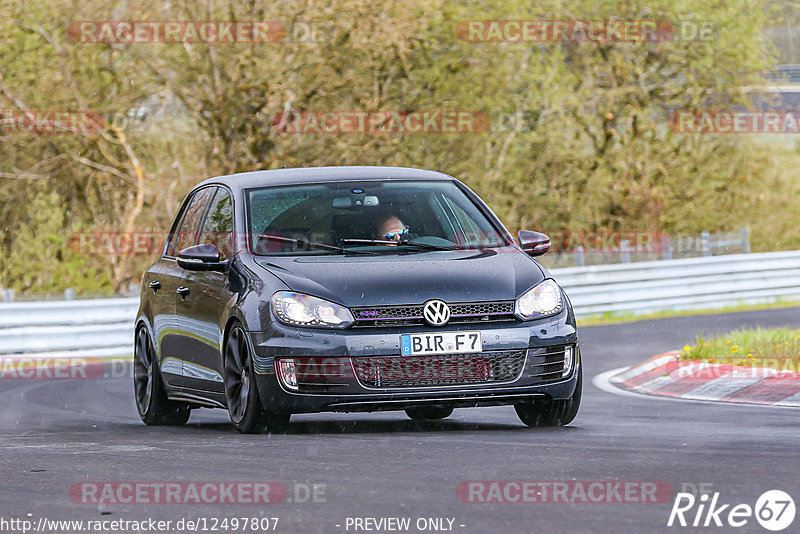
{"x":533,"y":243}
{"x":357,"y":201}
{"x":203,"y":257}
{"x":341,"y":203}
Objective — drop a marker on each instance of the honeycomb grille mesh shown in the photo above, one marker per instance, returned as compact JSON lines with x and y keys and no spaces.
{"x":440,"y":370}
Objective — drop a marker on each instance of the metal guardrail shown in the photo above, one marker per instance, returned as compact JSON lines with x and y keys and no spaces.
{"x":104,"y":327}
{"x":785,"y":74}
{"x":685,"y":284}
{"x":658,"y":246}
{"x":97,"y":328}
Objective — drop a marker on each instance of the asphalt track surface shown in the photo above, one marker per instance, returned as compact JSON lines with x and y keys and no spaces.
{"x":58,"y":433}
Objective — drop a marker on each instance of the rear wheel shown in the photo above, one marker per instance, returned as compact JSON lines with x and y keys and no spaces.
{"x":426,"y":413}
{"x":241,"y":394}
{"x":148,"y":387}
{"x":549,"y":412}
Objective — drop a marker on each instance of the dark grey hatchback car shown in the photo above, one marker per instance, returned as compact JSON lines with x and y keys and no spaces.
{"x":350,"y":289}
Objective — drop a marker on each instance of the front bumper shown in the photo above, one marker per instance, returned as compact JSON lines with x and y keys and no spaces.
{"x":348,"y":393}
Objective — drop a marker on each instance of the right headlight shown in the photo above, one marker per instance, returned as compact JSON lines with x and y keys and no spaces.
{"x":298,"y":309}
{"x":540,"y":301}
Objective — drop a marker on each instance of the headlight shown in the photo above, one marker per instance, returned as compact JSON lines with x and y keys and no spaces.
{"x":297,"y":309}
{"x":540,"y":301}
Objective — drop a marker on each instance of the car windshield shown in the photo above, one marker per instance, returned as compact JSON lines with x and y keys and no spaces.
{"x":379,"y":217}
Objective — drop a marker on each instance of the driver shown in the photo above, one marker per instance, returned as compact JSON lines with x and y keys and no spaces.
{"x":390,"y":228}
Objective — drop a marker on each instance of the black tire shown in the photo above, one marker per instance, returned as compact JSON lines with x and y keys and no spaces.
{"x":148,"y":387}
{"x":549,"y":412}
{"x":428,"y":413}
{"x":241,"y":393}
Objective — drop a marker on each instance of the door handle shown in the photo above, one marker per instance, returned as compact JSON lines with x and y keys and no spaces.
{"x":182,"y":291}
{"x":155,"y":285}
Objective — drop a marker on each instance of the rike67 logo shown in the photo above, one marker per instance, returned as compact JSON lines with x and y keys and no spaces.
{"x":774,"y":510}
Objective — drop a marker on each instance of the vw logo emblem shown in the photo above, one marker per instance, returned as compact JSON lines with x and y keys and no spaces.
{"x":436,"y":312}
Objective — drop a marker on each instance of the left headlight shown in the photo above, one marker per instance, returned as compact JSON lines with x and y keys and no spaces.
{"x":540,"y":301}
{"x":298,"y":309}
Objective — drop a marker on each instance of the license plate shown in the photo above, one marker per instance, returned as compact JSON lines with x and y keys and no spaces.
{"x":441,"y":343}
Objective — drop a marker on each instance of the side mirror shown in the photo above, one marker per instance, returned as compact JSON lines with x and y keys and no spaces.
{"x":533,"y":243}
{"x":203,"y":257}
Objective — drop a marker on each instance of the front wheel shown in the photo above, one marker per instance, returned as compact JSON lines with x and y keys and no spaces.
{"x":241,"y":393}
{"x":549,"y":412}
{"x":148,"y":387}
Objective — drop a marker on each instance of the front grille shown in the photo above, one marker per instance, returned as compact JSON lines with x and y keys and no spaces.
{"x":460,"y":312}
{"x":546,"y":364}
{"x":441,"y":370}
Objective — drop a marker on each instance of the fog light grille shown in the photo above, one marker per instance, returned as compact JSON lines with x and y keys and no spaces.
{"x":550,"y":364}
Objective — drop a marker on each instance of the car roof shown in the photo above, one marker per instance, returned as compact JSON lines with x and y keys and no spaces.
{"x":305,"y":175}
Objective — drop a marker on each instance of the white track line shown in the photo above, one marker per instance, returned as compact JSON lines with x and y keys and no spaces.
{"x":638,"y":370}
{"x":794,"y":400}
{"x":603,"y":383}
{"x":654,"y":384}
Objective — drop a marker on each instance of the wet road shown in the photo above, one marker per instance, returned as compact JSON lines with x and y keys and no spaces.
{"x":61,"y":436}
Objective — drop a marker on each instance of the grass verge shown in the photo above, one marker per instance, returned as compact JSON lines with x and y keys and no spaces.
{"x":774,"y":348}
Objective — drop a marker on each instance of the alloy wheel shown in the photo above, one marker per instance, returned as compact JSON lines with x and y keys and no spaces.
{"x":237,"y":374}
{"x":143,"y":370}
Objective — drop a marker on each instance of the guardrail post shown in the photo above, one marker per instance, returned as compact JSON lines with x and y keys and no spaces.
{"x":666,"y":247}
{"x":133,"y":289}
{"x":69,"y":294}
{"x":624,"y":251}
{"x":745,"y":232}
{"x":8,"y":295}
{"x":580,"y":261}
{"x":705,"y":243}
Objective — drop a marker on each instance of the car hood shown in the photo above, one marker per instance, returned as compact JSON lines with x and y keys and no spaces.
{"x":453,"y":276}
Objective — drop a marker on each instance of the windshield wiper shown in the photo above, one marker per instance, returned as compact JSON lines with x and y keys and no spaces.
{"x":302,"y":244}
{"x":426,"y":246}
{"x":396,"y":244}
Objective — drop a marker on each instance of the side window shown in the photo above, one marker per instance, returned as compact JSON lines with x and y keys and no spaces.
{"x":218,"y":226}
{"x":173,"y":232}
{"x":473,"y":234}
{"x":464,"y":220}
{"x":185,"y":237}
